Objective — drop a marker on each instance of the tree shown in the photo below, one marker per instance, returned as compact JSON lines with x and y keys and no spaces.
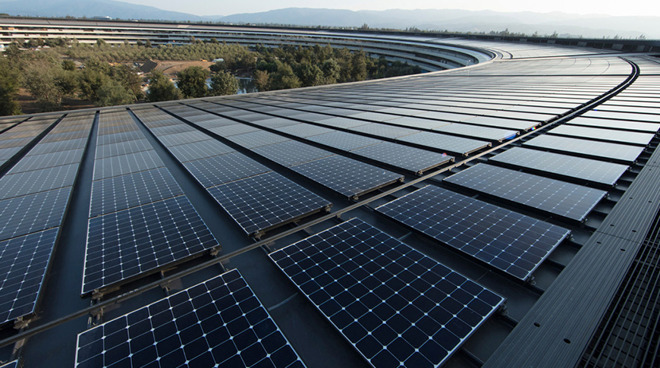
{"x":129,"y":79}
{"x":161,"y":88}
{"x":9,"y":81}
{"x":192,"y":81}
{"x":223,"y":83}
{"x":309,"y":75}
{"x":331,"y":71}
{"x":68,"y":65}
{"x":284,"y":78}
{"x":40,"y":81}
{"x":261,"y":80}
{"x":113,"y":93}
{"x":359,"y":66}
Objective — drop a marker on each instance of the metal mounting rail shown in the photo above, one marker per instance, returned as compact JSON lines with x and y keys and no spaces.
{"x":144,"y":288}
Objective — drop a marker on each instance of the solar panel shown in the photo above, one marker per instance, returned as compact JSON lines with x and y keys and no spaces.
{"x":341,"y":122}
{"x":395,"y":305}
{"x":197,"y":150}
{"x":171,"y":140}
{"x":478,"y":132}
{"x":304,"y":130}
{"x":550,"y":195}
{"x":609,"y":135}
{"x":115,"y":138}
{"x":407,"y":158}
{"x":37,"y":162}
{"x":343,"y":141}
{"x":28,"y":182}
{"x":122,"y":148}
{"x":448,"y":143}
{"x":264,"y":201}
{"x":32,"y":212}
{"x":234,"y":129}
{"x":126,"y":164}
{"x":131,"y":190}
{"x":124,"y":244}
{"x":506,"y":240}
{"x":59,"y":146}
{"x":23,"y":264}
{"x":290,"y":153}
{"x":574,"y":167}
{"x":225,"y":168}
{"x":13,"y":364}
{"x":618,"y":152}
{"x":616,"y":124}
{"x":219,"y":322}
{"x":256,"y":139}
{"x":383,"y":130}
{"x":346,"y":176}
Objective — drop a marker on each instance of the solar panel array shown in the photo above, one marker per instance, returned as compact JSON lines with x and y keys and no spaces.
{"x":139,"y":219}
{"x":395,"y":305}
{"x":569,"y":166}
{"x":608,"y":135}
{"x":34,"y":196}
{"x":14,"y":139}
{"x":257,"y":198}
{"x":557,"y":197}
{"x":219,"y":322}
{"x":506,"y":240}
{"x":601,"y":150}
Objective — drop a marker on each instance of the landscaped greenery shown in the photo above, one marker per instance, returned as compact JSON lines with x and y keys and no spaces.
{"x":105,"y":75}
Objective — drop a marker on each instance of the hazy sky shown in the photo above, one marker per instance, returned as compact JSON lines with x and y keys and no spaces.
{"x":227,"y":7}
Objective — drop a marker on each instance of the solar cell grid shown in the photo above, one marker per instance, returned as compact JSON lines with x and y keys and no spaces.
{"x":124,"y":244}
{"x":304,"y":130}
{"x":256,"y":139}
{"x":478,"y":132}
{"x":616,"y":124}
{"x":396,"y":306}
{"x":58,"y":137}
{"x":550,"y":195}
{"x":234,"y":129}
{"x":575,"y":167}
{"x":126,"y":191}
{"x":225,"y":168}
{"x":609,"y":135}
{"x":122,"y":148}
{"x":119,"y":137}
{"x":506,"y":240}
{"x":382,"y":130}
{"x":341,"y":122}
{"x":32,"y":212}
{"x":443,"y":142}
{"x":201,"y":149}
{"x":407,"y":158}
{"x":219,"y":322}
{"x":171,"y":140}
{"x":28,"y":182}
{"x":346,"y":176}
{"x":291,"y":152}
{"x":267,"y":200}
{"x":613,"y":151}
{"x":125,"y":164}
{"x":43,"y":161}
{"x":59,"y":146}
{"x":343,"y":141}
{"x":23,"y":264}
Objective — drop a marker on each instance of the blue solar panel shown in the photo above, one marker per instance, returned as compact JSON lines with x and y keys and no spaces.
{"x":126,"y":164}
{"x":506,"y":240}
{"x":32,"y":212}
{"x":223,"y":169}
{"x":125,"y":244}
{"x":265,"y":201}
{"x":395,"y":305}
{"x":346,"y":176}
{"x":23,"y":264}
{"x":603,"y":150}
{"x":550,"y":195}
{"x":406,"y":158}
{"x":35,"y":181}
{"x":217,"y":323}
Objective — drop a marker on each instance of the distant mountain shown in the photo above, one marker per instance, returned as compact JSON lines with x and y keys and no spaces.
{"x":90,"y":8}
{"x":435,"y":19}
{"x":460,"y":21}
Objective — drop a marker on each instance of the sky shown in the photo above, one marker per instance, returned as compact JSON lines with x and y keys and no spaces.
{"x":227,"y":7}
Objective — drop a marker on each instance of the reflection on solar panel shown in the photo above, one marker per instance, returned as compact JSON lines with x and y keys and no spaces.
{"x":28,"y":182}
{"x":219,"y":322}
{"x":124,"y":244}
{"x":396,"y":306}
{"x":36,"y":162}
{"x":384,"y":130}
{"x":478,"y":132}
{"x":616,"y":124}
{"x":32,"y":212}
{"x":443,"y":142}
{"x":126,"y":191}
{"x":122,"y":148}
{"x":197,"y":150}
{"x":346,"y":176}
{"x":603,"y":134}
{"x":222,"y":169}
{"x":126,"y":164}
{"x":407,"y":158}
{"x":617,"y":152}
{"x":550,"y":195}
{"x":511,"y":242}
{"x":23,"y":264}
{"x":290,"y":153}
{"x":343,"y":141}
{"x":265,"y":201}
{"x":575,"y":167}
